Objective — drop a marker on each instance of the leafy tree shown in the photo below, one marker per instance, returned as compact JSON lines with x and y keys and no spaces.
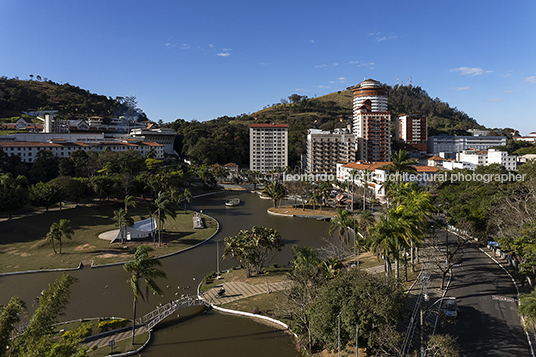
{"x":442,"y":346}
{"x":9,"y":315}
{"x":306,"y":279}
{"x":252,"y":248}
{"x":52,"y":303}
{"x":143,"y":268}
{"x":13,"y":195}
{"x":363,"y":299}
{"x":44,"y":195}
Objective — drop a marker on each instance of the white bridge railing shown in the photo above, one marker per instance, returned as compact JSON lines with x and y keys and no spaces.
{"x":157,"y":315}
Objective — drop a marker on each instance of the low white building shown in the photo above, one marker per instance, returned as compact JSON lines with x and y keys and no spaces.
{"x":483,"y":157}
{"x":140,"y":230}
{"x":60,"y":148}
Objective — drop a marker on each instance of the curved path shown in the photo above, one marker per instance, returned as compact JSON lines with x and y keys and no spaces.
{"x":236,"y":290}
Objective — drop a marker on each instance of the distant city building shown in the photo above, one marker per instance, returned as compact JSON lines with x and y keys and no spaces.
{"x":325,"y":149}
{"x":163,"y":136}
{"x":61,"y":148}
{"x":411,"y":132}
{"x":531,"y":138}
{"x":478,"y":132}
{"x":454,"y":144}
{"x":484,"y":158}
{"x":371,"y":121}
{"x":268,"y":144}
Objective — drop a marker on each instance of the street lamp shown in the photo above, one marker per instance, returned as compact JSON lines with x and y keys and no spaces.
{"x":356,"y":338}
{"x":218,"y":258}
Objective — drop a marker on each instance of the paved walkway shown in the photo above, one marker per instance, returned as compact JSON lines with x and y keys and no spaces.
{"x":119,"y":336}
{"x":235,"y":290}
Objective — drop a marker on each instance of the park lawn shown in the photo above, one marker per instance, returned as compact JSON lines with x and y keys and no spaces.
{"x":23,"y":246}
{"x":270,"y":275}
{"x":120,"y":346}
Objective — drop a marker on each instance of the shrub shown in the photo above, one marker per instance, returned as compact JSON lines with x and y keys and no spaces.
{"x":109,"y":325}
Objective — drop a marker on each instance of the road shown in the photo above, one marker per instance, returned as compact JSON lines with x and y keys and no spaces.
{"x":484,"y":327}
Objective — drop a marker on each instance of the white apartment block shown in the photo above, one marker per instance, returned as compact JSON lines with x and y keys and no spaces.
{"x":268,"y":147}
{"x":325,"y":149}
{"x":454,"y":144}
{"x":492,"y":156}
{"x":531,"y":138}
{"x":60,"y":148}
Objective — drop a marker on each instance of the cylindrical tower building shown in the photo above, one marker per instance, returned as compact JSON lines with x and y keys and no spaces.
{"x":371,"y":89}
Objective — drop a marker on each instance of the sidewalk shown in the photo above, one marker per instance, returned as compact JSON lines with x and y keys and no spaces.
{"x":119,"y":336}
{"x":237,"y":290}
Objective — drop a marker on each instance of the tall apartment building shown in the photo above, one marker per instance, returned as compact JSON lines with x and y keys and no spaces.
{"x":268,"y":147}
{"x":371,"y":122}
{"x":411,"y":132}
{"x":325,"y":149}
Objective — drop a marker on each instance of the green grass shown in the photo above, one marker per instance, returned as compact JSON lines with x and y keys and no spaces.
{"x":23,"y":246}
{"x":120,"y":346}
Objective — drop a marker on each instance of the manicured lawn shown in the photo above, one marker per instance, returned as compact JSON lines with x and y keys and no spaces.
{"x":23,"y":245}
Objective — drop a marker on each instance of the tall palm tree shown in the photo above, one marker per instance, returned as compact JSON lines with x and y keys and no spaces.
{"x":162,"y":207}
{"x":344,"y":223}
{"x":401,"y":162}
{"x":324,"y":187}
{"x":275,"y":190}
{"x":364,"y":222}
{"x":143,"y":268}
{"x":187,"y":196}
{"x":66,"y":230}
{"x":53,"y":234}
{"x":314,"y":197}
{"x":130,"y":201}
{"x":122,"y":219}
{"x":386,"y":241}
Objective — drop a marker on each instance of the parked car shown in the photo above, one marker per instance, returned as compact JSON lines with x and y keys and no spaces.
{"x":450,"y":307}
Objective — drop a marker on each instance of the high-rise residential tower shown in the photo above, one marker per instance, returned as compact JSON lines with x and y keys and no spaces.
{"x":371,"y":121}
{"x":268,"y":147}
{"x":411,"y":132}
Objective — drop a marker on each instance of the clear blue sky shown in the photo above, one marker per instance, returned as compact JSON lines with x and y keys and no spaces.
{"x":205,"y":59}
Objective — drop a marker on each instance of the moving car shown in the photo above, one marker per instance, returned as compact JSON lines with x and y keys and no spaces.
{"x":450,"y":307}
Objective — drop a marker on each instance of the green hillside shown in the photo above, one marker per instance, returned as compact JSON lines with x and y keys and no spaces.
{"x":70,"y":101}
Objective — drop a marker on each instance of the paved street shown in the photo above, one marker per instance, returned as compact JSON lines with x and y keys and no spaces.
{"x":484,"y":327}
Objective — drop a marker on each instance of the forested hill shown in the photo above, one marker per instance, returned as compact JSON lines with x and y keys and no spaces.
{"x":70,"y":101}
{"x":226,"y":139}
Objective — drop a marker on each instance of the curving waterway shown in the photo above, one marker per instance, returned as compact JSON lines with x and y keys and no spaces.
{"x":105,"y":291}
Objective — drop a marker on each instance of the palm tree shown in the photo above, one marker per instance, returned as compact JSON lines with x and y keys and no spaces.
{"x":314,"y":196}
{"x":143,"y":267}
{"x":324,"y":188}
{"x":401,"y":162}
{"x":162,"y":207}
{"x":275,"y":190}
{"x":365,"y":221}
{"x":53,"y":234}
{"x":130,"y":201}
{"x":345,"y":224}
{"x":187,"y":196}
{"x":65,"y":229}
{"x":122,"y":219}
{"x":386,"y":241}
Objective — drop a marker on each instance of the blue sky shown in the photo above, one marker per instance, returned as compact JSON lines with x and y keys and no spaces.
{"x":205,"y":59}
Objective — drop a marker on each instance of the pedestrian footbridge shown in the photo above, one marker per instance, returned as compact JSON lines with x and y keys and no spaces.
{"x":154,"y":317}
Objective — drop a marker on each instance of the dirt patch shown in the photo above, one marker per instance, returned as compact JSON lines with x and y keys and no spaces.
{"x":25,"y":254}
{"x":112,"y":255}
{"x":86,"y":246}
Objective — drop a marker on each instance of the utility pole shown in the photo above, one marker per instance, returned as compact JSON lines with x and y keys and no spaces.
{"x":339,"y":334}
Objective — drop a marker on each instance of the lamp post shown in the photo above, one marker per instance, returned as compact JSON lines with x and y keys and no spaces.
{"x":339,"y":334}
{"x":218,"y":258}
{"x":356,"y":339}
